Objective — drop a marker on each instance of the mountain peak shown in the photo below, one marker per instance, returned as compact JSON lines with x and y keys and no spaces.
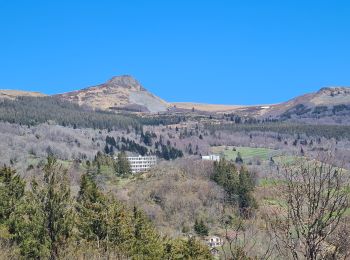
{"x":118,"y":93}
{"x":125,"y":81}
{"x":333,"y":91}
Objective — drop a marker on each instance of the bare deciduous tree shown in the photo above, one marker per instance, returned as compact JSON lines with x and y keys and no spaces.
{"x":315,"y":197}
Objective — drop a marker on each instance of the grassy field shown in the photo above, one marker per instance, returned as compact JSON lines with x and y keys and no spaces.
{"x":35,"y":161}
{"x":247,"y":153}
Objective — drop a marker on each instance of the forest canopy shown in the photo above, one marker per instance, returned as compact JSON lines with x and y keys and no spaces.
{"x":37,"y":110}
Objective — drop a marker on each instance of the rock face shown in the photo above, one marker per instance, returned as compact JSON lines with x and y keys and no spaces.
{"x":331,"y":96}
{"x":119,"y":93}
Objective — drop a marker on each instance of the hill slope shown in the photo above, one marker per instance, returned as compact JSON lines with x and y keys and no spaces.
{"x":205,"y":107}
{"x":331,"y":104}
{"x":328,"y":101}
{"x":119,"y":93}
{"x":325,"y":97}
{"x":13,"y":94}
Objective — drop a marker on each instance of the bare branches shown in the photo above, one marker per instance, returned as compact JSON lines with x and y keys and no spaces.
{"x":316,"y":196}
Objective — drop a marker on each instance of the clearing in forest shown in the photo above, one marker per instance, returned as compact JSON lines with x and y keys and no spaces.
{"x":247,"y":153}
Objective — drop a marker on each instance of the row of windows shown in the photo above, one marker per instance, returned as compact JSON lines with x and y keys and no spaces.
{"x":141,"y":158}
{"x":135,"y":163}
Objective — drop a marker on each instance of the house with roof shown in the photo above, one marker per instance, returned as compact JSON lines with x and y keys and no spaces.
{"x":214,"y":241}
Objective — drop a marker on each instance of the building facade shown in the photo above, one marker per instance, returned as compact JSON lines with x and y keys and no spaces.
{"x":214,"y":241}
{"x":141,"y":163}
{"x":211,"y":157}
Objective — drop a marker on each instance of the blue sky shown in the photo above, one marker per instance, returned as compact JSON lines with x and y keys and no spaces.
{"x":230,"y":52}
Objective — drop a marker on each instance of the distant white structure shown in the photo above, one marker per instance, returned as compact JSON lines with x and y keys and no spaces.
{"x":141,"y":163}
{"x":211,"y":157}
{"x":214,"y":241}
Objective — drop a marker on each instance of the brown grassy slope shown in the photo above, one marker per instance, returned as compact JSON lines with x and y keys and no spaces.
{"x":12,"y":94}
{"x":205,"y":107}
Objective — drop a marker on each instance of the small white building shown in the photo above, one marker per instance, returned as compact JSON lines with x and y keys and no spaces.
{"x":211,"y":157}
{"x":214,"y":241}
{"x":141,"y":163}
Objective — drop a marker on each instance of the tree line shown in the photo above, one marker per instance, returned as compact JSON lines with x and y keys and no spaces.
{"x":328,"y":131}
{"x":161,"y":150}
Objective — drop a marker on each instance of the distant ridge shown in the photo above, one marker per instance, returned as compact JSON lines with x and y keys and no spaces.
{"x":326,"y":97}
{"x":12,"y":94}
{"x":205,"y":107}
{"x":125,"y":93}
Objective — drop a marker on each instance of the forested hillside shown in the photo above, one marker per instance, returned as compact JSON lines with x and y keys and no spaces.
{"x":36,"y":110}
{"x":44,"y":221}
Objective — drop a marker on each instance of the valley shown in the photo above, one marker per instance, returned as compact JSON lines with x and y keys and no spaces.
{"x":92,"y":132}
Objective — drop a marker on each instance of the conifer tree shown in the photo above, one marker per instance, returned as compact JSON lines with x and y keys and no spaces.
{"x":200,"y":228}
{"x":123,"y":165}
{"x":238,"y":185}
{"x":42,"y":224}
{"x":54,"y":198}
{"x":106,"y":149}
{"x":27,"y":227}
{"x":147,"y":242}
{"x":91,"y":208}
{"x":120,"y":229}
{"x":194,"y":249}
{"x":239,"y":158}
{"x":11,"y":191}
{"x":245,"y":189}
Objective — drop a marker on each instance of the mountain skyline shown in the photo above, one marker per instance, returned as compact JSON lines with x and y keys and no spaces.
{"x":18,"y":92}
{"x":224,"y":52}
{"x":125,"y":93}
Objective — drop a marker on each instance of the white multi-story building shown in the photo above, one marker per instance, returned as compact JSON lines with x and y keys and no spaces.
{"x":211,"y":157}
{"x":141,"y":163}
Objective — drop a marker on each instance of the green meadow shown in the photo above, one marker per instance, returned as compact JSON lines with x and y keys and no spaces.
{"x":247,"y":153}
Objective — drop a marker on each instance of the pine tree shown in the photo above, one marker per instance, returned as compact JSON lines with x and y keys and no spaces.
{"x":91,"y":206}
{"x":239,"y":158}
{"x":200,"y":228}
{"x":28,"y":230}
{"x":54,"y":198}
{"x":42,"y":224}
{"x":123,"y":166}
{"x":245,"y":189}
{"x":165,"y":152}
{"x":11,"y":191}
{"x":106,"y":149}
{"x":120,"y":229}
{"x":194,"y":249}
{"x":147,"y":242}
